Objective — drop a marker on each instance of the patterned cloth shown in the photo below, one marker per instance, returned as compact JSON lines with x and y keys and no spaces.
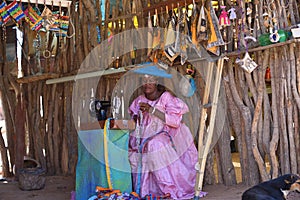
{"x":15,"y":11}
{"x":3,"y":12}
{"x":165,"y":169}
{"x":34,"y":19}
{"x":91,"y":169}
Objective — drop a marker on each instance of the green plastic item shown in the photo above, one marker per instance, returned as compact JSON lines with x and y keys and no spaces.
{"x":264,"y":39}
{"x":283,"y":35}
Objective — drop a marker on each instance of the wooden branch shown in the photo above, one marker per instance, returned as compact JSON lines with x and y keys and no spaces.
{"x":261,"y":48}
{"x":89,"y":5}
{"x":36,"y":78}
{"x":4,"y":156}
{"x":255,"y":121}
{"x":275,"y":132}
{"x":284,"y":148}
{"x":289,"y":56}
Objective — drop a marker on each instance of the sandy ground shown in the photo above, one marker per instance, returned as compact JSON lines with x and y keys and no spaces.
{"x":60,"y":188}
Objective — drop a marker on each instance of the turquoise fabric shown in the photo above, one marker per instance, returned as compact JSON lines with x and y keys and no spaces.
{"x":90,"y":169}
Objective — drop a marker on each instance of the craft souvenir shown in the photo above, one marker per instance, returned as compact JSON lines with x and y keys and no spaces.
{"x":185,"y":40}
{"x":156,"y":34}
{"x":3,"y":13}
{"x":215,"y":37}
{"x":15,"y":11}
{"x":35,"y":21}
{"x":169,"y":47}
{"x":232,"y":13}
{"x":202,"y":25}
{"x":63,"y":25}
{"x":49,"y":18}
{"x":247,"y":63}
{"x":223,"y":19}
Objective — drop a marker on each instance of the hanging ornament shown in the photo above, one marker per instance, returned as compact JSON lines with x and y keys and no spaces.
{"x":55,"y":25}
{"x":150,"y":35}
{"x":223,"y":19}
{"x":215,"y":38}
{"x":184,"y":39}
{"x":35,"y":21}
{"x":266,"y":20}
{"x":194,"y":25}
{"x":202,"y":25}
{"x":63,"y":25}
{"x":247,"y":63}
{"x":169,"y":47}
{"x":156,"y":33}
{"x":3,"y":13}
{"x":232,"y":13}
{"x":49,"y":18}
{"x":15,"y":11}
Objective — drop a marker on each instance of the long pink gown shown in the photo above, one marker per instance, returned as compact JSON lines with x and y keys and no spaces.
{"x":168,"y":154}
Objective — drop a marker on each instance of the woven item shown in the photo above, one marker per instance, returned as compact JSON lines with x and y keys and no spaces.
{"x":32,"y":178}
{"x":34,"y":19}
{"x":63,"y":26}
{"x":15,"y":11}
{"x":3,"y":13}
{"x":49,"y":18}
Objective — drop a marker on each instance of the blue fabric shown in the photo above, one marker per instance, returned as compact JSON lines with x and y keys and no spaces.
{"x":90,"y":169}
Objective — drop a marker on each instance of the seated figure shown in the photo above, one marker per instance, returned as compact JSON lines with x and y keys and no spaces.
{"x":162,"y":153}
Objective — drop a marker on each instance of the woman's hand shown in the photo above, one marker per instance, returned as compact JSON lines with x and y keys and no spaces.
{"x":144,"y":107}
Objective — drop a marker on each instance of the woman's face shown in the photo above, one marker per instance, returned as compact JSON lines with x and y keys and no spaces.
{"x":149,"y":84}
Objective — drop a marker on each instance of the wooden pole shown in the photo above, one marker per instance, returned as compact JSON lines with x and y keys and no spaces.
{"x":203,"y":157}
{"x":199,"y":178}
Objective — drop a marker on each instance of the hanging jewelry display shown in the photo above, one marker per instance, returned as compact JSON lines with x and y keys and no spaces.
{"x":36,"y":45}
{"x":246,"y":63}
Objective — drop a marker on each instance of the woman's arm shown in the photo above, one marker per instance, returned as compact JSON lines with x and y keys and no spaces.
{"x":145,"y":107}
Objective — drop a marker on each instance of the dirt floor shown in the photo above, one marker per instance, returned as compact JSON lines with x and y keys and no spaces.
{"x":60,"y":188}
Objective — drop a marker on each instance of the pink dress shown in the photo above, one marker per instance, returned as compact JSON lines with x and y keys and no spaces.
{"x":167,"y":162}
